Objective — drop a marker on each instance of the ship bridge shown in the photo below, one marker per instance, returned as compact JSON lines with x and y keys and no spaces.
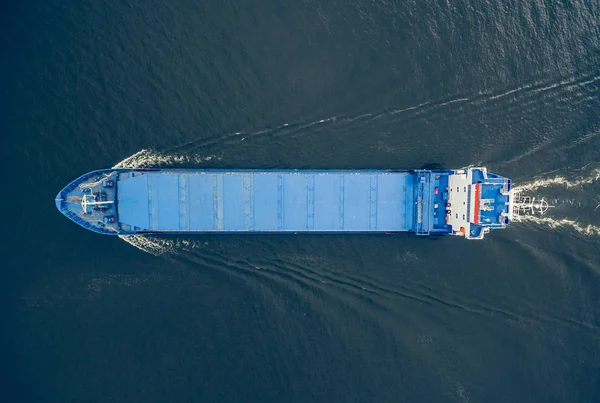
{"x":478,"y":202}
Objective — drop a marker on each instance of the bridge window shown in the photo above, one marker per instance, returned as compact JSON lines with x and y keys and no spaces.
{"x":457,"y":189}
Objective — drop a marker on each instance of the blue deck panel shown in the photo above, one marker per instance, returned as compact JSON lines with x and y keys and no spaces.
{"x":409,"y":202}
{"x":356,"y":201}
{"x":268,"y":201}
{"x":132,"y":202}
{"x":327,"y":190}
{"x":200,"y":202}
{"x":265,"y":208}
{"x":166,"y":189}
{"x":391,"y":202}
{"x":233,"y":202}
{"x":294,"y":202}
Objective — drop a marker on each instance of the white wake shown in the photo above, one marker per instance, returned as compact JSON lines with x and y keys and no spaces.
{"x":151,"y":159}
{"x":161,"y":246}
{"x":560,"y":181}
{"x":553,"y":223}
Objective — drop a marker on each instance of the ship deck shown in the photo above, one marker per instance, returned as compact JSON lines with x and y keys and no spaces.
{"x":276,"y":201}
{"x":69,"y":202}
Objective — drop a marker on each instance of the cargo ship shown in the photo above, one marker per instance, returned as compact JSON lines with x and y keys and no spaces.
{"x":467,"y":202}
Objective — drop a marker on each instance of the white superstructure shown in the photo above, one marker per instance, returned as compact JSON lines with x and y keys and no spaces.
{"x":477,"y":202}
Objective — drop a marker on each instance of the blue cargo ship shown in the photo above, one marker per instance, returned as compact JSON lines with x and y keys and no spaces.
{"x":466,"y":202}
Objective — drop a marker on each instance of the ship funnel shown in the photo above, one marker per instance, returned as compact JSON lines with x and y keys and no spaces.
{"x":521,"y":205}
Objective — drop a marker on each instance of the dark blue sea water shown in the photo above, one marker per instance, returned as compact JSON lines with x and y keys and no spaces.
{"x":512,"y":85}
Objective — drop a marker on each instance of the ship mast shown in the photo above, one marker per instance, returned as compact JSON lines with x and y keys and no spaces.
{"x":90,"y":200}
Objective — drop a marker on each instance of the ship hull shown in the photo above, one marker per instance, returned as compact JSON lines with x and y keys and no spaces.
{"x":189,"y":201}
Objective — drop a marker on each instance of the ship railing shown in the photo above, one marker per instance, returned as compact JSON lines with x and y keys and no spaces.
{"x":92,"y":185}
{"x":521,"y":205}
